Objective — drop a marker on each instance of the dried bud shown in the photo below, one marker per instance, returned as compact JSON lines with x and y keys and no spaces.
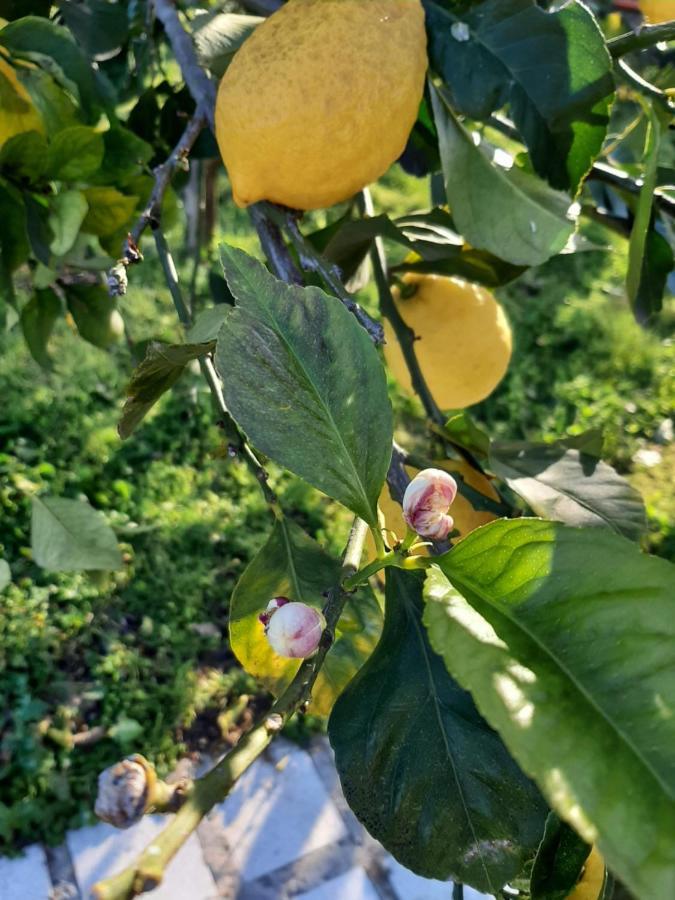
{"x":426,"y":502}
{"x":293,"y":629}
{"x":125,"y":791}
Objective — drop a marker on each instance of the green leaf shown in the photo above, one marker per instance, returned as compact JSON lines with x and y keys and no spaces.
{"x":75,"y":154}
{"x":37,"y":226}
{"x":160,"y":370}
{"x":37,"y":322}
{"x":560,"y":859}
{"x":57,"y":110}
{"x":563,"y":483}
{"x":292,"y":565}
{"x":109,"y":210}
{"x":125,"y":730}
{"x":509,"y":213}
{"x":93,"y":311}
{"x":67,"y":212}
{"x":5,"y":574}
{"x":566,"y":639}
{"x":657,"y":264}
{"x":25,"y":156}
{"x":14,"y":245}
{"x":304,"y":381}
{"x":69,"y":535}
{"x":553,"y":68}
{"x":208,"y":324}
{"x":36,"y":35}
{"x":218,"y":36}
{"x":125,"y":157}
{"x":100,"y":27}
{"x":462,"y":430}
{"x":425,"y":774}
{"x":15,"y":9}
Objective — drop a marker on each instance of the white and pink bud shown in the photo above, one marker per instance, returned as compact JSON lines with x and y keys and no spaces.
{"x":293,"y":629}
{"x":426,"y":503}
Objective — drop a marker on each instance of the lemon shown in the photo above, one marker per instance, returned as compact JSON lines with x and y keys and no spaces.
{"x":17,"y":113}
{"x":657,"y":11}
{"x":320,"y":100}
{"x":466,"y":517}
{"x":464,"y":339}
{"x":589,"y":886}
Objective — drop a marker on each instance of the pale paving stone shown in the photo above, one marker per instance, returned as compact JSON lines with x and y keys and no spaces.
{"x":25,"y":878}
{"x":101,"y":851}
{"x":278,"y":811}
{"x":353,"y":885}
{"x":409,"y":886}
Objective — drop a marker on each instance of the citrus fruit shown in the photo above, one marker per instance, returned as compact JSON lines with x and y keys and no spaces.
{"x":657,"y":11}
{"x":320,"y":100}
{"x":589,"y":886}
{"x":17,"y":113}
{"x":464,"y":339}
{"x":466,"y":517}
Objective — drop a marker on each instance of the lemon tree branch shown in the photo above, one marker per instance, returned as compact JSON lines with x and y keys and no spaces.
{"x":647,"y":36}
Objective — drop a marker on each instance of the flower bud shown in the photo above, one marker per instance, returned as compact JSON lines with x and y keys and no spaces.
{"x":426,"y":502}
{"x":125,"y":791}
{"x":293,"y":629}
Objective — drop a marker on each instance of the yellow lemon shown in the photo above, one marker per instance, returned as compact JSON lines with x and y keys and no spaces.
{"x":657,"y":11}
{"x":320,"y":100}
{"x":17,"y":113}
{"x":464,"y":339}
{"x":466,"y":517}
{"x":589,"y":886}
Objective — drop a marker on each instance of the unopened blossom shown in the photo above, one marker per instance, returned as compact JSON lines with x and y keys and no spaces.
{"x":293,"y":629}
{"x":426,"y":503}
{"x":124,"y":791}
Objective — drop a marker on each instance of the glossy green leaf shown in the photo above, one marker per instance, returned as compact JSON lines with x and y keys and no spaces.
{"x":421,"y":769}
{"x":75,"y":154}
{"x":509,"y":213}
{"x":93,"y":311}
{"x":160,"y":370}
{"x":5,"y":574}
{"x":305,"y":382}
{"x":100,"y":27}
{"x":69,"y":535}
{"x":25,"y":156}
{"x":56,"y":108}
{"x":292,"y":565}
{"x":560,"y":859}
{"x":553,"y":68}
{"x":568,"y":485}
{"x":566,"y":639}
{"x":67,"y":212}
{"x":37,"y":322}
{"x":109,"y":210}
{"x":218,"y":36}
{"x":462,"y":430}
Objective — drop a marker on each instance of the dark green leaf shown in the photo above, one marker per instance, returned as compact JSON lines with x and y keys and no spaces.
{"x":208,"y":324}
{"x":75,"y":154}
{"x":566,"y":640}
{"x":563,"y":483}
{"x":67,"y":212}
{"x":552,"y":67}
{"x":509,"y":213}
{"x":218,"y":36}
{"x":125,"y":157}
{"x":37,"y":227}
{"x":15,"y":9}
{"x":109,"y":210}
{"x":14,"y":244}
{"x":160,"y":370}
{"x":56,"y":108}
{"x":100,"y":27}
{"x":68,"y":535}
{"x":419,"y":767}
{"x":292,"y":565}
{"x":560,"y":859}
{"x":25,"y":156}
{"x":5,"y":574}
{"x":94,"y":313}
{"x":657,"y":264}
{"x":37,"y":321}
{"x":304,"y":381}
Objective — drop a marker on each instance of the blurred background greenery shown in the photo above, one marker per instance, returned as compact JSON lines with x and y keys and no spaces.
{"x":139,"y":658}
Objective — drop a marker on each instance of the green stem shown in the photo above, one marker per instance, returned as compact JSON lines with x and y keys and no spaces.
{"x":647,"y":36}
{"x":372,"y":568}
{"x":147,"y":872}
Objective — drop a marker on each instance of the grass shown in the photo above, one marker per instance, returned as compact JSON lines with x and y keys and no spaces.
{"x":143,"y":653}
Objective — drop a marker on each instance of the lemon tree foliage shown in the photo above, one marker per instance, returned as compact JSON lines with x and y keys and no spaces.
{"x":564,"y":636}
{"x":509,"y":725}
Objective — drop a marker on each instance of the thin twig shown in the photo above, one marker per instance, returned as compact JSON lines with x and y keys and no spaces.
{"x":147,"y":871}
{"x":647,"y":36}
{"x":623,"y":70}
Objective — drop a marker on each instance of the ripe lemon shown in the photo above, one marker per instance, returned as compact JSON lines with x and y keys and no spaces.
{"x":464,"y":339}
{"x":17,"y":113}
{"x":466,"y":517}
{"x":589,"y":886}
{"x":320,"y":100}
{"x":657,"y":11}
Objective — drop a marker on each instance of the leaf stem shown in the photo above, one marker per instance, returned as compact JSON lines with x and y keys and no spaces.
{"x":647,"y":36}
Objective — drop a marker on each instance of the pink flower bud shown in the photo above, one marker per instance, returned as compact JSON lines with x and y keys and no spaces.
{"x":274,"y":604}
{"x":293,"y":629}
{"x":426,"y":502}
